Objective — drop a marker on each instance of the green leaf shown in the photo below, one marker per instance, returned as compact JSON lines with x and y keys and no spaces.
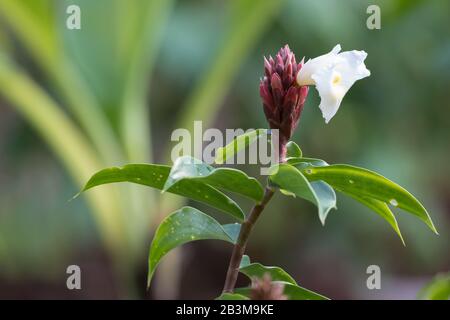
{"x":367,"y":184}
{"x":293,"y":150}
{"x":231,"y":296}
{"x":293,"y":292}
{"x":182,"y":226}
{"x":290,"y":179}
{"x":232,"y":230}
{"x":188,"y":169}
{"x":379,"y":207}
{"x":258,"y":270}
{"x":302,"y":162}
{"x":382,"y":209}
{"x":436,"y":289}
{"x":154,"y":176}
{"x":238,"y":144}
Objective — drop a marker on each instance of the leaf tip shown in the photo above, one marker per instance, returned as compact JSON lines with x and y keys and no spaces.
{"x":149,"y":279}
{"x":166,"y":186}
{"x":401,"y":237}
{"x":322,"y":221}
{"x":430,"y":224}
{"x":75,"y":196}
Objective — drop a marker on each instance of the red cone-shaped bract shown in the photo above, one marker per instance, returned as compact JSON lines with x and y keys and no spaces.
{"x":265,"y":289}
{"x":283,"y":99}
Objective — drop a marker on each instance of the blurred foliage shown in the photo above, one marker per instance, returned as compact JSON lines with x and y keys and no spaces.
{"x":93,"y":94}
{"x":437,"y":289}
{"x":100,"y":77}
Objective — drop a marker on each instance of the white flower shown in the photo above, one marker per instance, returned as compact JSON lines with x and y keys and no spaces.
{"x":333,"y":74}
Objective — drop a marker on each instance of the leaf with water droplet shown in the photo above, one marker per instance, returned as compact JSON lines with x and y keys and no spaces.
{"x":185,"y":225}
{"x":382,"y":209}
{"x":368,"y":184}
{"x":393,"y":202}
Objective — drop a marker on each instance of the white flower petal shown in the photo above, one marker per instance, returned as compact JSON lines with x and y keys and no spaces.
{"x":333,"y":74}
{"x":330,"y":95}
{"x":304,"y":76}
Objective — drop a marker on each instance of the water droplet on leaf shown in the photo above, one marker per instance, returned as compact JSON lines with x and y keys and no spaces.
{"x":393,"y":202}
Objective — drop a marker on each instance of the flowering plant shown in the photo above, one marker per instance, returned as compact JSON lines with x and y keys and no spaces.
{"x":283,"y":89}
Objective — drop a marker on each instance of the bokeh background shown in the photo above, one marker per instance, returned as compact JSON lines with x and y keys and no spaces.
{"x":75,"y":101}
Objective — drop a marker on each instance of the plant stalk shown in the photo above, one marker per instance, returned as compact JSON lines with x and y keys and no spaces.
{"x":247,"y":227}
{"x":239,"y":247}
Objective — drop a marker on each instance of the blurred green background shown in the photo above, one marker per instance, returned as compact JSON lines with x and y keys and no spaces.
{"x":75,"y":101}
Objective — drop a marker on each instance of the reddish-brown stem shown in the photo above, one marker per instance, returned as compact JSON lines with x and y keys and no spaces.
{"x":246,"y":228}
{"x":239,"y":247}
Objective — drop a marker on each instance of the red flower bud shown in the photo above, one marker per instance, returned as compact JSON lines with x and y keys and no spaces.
{"x":282,"y":98}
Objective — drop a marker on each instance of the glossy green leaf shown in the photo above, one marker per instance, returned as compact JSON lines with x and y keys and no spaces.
{"x":182,"y":226}
{"x":379,"y":207}
{"x":293,"y":292}
{"x":302,"y":162}
{"x":293,"y":150}
{"x":436,"y":289}
{"x":290,"y":179}
{"x":382,"y":209}
{"x":188,"y":169}
{"x":367,"y":184}
{"x":232,"y":229}
{"x":232,"y":296}
{"x":155,"y":176}
{"x":238,"y":144}
{"x":258,"y":270}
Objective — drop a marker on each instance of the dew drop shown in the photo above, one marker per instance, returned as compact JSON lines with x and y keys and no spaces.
{"x":308,"y":171}
{"x":351,"y":181}
{"x":393,"y":202}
